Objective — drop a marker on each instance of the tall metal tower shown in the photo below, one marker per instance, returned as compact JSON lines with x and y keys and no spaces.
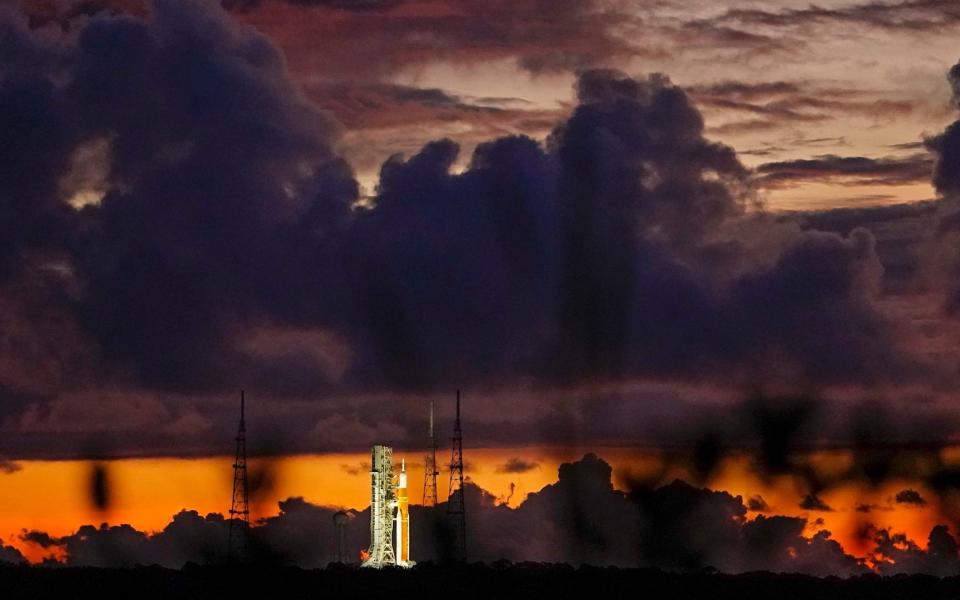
{"x":383,"y":502}
{"x":240,"y":504}
{"x":430,"y":471}
{"x":455,"y":501}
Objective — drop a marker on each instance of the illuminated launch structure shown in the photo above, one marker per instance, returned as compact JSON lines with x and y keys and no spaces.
{"x":430,"y":471}
{"x":240,"y":503}
{"x":389,"y":513}
{"x":381,"y":553}
{"x":456,"y":514}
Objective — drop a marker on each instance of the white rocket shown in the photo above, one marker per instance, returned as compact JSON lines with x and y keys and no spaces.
{"x":403,"y":518}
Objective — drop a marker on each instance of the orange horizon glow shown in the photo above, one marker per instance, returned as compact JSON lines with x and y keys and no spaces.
{"x":52,"y":496}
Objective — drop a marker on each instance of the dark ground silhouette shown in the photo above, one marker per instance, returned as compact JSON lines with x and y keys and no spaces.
{"x":501,"y":580}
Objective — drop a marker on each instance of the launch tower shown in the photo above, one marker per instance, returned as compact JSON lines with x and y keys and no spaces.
{"x":382,"y":503}
{"x":389,"y":513}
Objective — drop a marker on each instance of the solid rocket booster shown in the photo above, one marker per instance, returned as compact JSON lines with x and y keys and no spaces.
{"x":403,"y":518}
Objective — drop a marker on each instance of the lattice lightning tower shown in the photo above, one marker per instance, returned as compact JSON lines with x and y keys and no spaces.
{"x":240,"y":504}
{"x":430,"y":471}
{"x":455,"y":501}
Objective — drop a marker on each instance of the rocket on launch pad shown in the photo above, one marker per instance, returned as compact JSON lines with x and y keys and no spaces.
{"x":403,"y":518}
{"x":389,"y":513}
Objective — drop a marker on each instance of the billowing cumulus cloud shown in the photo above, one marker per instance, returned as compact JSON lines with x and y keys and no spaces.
{"x":213,"y":158}
{"x":191,"y":262}
{"x":946,"y":180}
{"x":601,"y":257}
{"x":946,"y":145}
{"x":9,"y":554}
{"x":181,"y":225}
{"x":895,"y":553}
{"x":362,"y":43}
{"x":578,"y":519}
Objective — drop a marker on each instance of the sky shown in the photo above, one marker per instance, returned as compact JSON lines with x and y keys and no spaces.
{"x":721,"y":233}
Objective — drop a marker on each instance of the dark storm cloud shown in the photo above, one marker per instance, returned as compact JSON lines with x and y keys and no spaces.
{"x":227,"y":249}
{"x":39,"y":133}
{"x":910,"y":497}
{"x":192,"y":261}
{"x":848,"y":170}
{"x":517,"y":465}
{"x":213,"y":157}
{"x":901,"y":232}
{"x":946,"y":180}
{"x":946,"y":145}
{"x":415,"y":260}
{"x":599,"y":243}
